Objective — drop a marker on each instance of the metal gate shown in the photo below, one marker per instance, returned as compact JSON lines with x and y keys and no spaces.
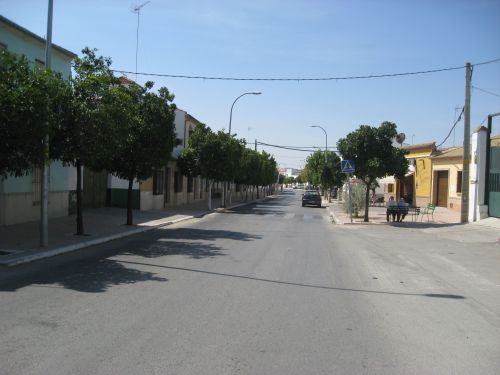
{"x":494,"y":178}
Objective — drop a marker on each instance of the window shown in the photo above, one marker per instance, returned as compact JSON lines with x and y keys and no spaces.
{"x":158,"y":182}
{"x":390,"y":188}
{"x":459,"y":181}
{"x":178,"y":178}
{"x":190,"y":184}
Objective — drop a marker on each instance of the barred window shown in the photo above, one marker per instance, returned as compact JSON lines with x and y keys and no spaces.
{"x":158,"y":182}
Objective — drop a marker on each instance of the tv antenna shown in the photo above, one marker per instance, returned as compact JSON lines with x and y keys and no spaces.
{"x":137,"y":9}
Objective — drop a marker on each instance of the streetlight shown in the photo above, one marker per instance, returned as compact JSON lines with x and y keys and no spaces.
{"x":326,"y":138}
{"x":235,"y":100}
{"x":230,"y":119}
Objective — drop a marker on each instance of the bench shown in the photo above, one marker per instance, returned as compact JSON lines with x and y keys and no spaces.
{"x":397,"y":211}
{"x":428,"y":210}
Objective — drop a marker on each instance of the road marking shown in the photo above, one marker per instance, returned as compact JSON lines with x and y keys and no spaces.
{"x":307,"y":217}
{"x":289,"y":216}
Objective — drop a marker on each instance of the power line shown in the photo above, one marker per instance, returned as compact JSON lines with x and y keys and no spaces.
{"x":306,"y":79}
{"x":453,"y":127}
{"x":486,"y":91}
{"x":294,"y":148}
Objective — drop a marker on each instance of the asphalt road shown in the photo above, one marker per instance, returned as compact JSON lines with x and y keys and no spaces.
{"x":272,"y":288}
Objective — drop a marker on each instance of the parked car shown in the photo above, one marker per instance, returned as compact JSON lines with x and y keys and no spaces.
{"x":311,"y":198}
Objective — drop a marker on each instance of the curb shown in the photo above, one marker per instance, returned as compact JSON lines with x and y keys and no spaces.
{"x":97,"y":241}
{"x":15,"y":261}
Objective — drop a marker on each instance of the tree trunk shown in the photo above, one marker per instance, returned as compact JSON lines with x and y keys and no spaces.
{"x":209,"y":194}
{"x":79,"y":214}
{"x":223,"y":195}
{"x":367,"y":201}
{"x":129,"y":202}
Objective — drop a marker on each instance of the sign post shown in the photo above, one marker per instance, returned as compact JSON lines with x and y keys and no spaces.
{"x":348,"y":168}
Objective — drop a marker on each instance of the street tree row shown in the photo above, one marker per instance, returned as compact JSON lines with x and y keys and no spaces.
{"x":220,"y":157}
{"x":91,"y":119}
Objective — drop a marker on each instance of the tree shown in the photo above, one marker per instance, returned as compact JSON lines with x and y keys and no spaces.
{"x":373,"y":155}
{"x":249,"y":163}
{"x":326,"y":175}
{"x":214,"y":156}
{"x":84,"y":138}
{"x":144,"y":132}
{"x":33,"y":102}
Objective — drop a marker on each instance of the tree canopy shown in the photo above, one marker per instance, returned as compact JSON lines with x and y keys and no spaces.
{"x":33,"y":102}
{"x":373,"y":154}
{"x":145,"y":132}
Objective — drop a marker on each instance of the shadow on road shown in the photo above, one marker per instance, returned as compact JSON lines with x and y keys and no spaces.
{"x":433,"y":295}
{"x":94,"y":272}
{"x":88,"y":277}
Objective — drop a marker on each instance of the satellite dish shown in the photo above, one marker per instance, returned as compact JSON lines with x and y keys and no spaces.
{"x":400,"y":138}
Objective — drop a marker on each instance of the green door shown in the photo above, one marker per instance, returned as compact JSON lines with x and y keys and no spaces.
{"x":494,"y":182}
{"x":94,"y":188}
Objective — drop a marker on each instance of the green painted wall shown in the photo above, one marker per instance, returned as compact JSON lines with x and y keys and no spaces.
{"x":118,"y":198}
{"x":33,"y":49}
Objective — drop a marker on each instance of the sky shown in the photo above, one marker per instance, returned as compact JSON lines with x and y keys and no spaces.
{"x":296,"y":39}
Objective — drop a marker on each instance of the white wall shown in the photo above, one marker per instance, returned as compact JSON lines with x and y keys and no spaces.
{"x":180,"y":124}
{"x":118,"y":183}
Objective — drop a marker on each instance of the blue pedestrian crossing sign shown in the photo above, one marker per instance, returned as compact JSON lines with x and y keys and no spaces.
{"x":347,"y":166}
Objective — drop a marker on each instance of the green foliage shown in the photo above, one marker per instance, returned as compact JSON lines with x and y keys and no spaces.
{"x":373,"y":154}
{"x":86,"y":135}
{"x":144,"y":129}
{"x":220,"y":157}
{"x":144,"y":132}
{"x":358,"y":193}
{"x":319,"y":173}
{"x":32,"y":102}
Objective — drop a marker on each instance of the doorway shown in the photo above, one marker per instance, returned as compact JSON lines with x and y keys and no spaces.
{"x":442,"y":189}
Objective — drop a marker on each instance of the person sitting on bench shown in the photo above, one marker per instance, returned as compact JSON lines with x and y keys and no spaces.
{"x":402,"y":209}
{"x":391,"y":209}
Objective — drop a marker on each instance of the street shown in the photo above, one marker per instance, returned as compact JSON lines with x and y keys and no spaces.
{"x":268,"y":288}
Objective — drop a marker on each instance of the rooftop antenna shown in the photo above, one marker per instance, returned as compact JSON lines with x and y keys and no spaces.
{"x":137,"y":10}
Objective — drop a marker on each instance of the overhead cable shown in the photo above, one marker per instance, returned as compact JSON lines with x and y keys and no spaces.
{"x":341,"y":78}
{"x":294,"y":148}
{"x":486,"y":91}
{"x":453,"y":127}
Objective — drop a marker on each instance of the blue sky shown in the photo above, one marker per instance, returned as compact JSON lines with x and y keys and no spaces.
{"x":296,"y":39}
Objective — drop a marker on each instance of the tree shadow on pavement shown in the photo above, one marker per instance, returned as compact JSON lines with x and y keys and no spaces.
{"x":192,"y":234}
{"x":95,"y":272}
{"x":85,"y":276}
{"x":163,"y":247}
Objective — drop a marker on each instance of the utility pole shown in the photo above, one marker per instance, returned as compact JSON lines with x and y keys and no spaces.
{"x":256,"y":145}
{"x":464,"y":214}
{"x":44,"y":196}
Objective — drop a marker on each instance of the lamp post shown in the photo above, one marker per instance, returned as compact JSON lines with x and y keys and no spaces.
{"x":235,"y":100}
{"x":326,"y":138}
{"x":229,"y":132}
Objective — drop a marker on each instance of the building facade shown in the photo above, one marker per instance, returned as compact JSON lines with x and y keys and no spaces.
{"x":20,"y":197}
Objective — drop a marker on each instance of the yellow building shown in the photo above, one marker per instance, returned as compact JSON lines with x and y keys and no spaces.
{"x":447,"y":178}
{"x":417,"y":184}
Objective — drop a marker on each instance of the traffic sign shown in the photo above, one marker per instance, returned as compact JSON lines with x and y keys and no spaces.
{"x":347,"y":166}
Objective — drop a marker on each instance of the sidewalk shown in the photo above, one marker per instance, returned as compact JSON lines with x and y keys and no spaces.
{"x":445,"y":222}
{"x":377,"y":215}
{"x":20,"y":243}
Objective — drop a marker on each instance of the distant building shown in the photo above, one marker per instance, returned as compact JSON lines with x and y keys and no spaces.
{"x":290,"y":172}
